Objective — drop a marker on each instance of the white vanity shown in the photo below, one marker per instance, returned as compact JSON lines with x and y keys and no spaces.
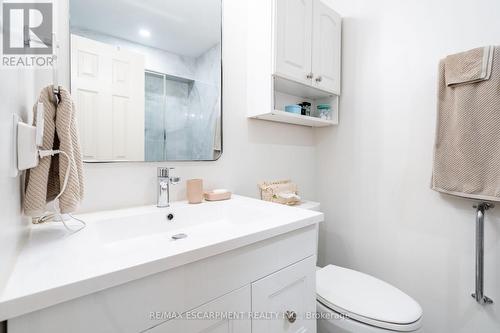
{"x":241,"y":265}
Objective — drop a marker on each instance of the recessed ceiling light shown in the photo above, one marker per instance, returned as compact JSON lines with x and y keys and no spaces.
{"x":144,"y":33}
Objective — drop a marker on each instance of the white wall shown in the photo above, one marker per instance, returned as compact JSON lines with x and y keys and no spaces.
{"x":13,"y":84}
{"x":374,"y":169}
{"x":16,"y":96}
{"x":253,"y":150}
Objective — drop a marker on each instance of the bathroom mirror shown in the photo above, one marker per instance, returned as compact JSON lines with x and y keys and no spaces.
{"x":146,"y":79}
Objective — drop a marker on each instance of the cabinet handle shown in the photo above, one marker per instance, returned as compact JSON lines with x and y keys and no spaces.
{"x":291,"y":316}
{"x":319,"y":79}
{"x":310,"y":75}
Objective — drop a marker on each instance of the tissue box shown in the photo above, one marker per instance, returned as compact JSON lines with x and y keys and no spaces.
{"x":281,"y":191}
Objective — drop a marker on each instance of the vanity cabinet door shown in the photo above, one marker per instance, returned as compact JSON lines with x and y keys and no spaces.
{"x":214,"y":317}
{"x":294,"y":39}
{"x":326,"y":48}
{"x":288,"y":295}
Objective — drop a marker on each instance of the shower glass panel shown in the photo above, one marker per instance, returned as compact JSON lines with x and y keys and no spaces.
{"x":155,"y":136}
{"x":178,"y":126}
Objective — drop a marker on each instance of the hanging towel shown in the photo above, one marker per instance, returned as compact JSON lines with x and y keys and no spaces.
{"x":44,"y":182}
{"x":469,"y":67}
{"x":467,"y":143}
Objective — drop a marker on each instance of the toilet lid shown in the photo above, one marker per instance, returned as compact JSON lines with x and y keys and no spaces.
{"x":367,"y":299}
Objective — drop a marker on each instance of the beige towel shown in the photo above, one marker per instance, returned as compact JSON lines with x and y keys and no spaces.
{"x":44,"y":182}
{"x":469,"y":67}
{"x":467,"y":144}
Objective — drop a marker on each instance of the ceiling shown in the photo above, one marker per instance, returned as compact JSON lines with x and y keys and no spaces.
{"x":185,"y":27}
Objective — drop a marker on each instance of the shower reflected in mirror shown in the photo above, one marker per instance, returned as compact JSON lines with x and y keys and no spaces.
{"x":146,"y":79}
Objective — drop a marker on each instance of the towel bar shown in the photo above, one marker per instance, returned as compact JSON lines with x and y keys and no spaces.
{"x":479,"y":296}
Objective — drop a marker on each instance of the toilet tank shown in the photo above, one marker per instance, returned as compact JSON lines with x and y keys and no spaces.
{"x":316,"y":206}
{"x":310,"y":205}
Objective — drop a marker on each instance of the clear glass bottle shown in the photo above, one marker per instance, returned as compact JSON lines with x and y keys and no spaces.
{"x":324,"y":111}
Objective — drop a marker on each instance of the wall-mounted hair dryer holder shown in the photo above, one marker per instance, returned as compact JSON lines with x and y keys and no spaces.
{"x":26,"y":140}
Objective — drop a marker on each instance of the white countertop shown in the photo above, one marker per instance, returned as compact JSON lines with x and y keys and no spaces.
{"x":309,"y":205}
{"x":128,"y":244}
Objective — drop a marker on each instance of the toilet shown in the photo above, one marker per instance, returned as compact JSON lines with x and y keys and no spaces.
{"x":348,"y":301}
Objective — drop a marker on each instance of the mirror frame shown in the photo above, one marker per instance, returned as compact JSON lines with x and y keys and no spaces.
{"x":221,"y":93}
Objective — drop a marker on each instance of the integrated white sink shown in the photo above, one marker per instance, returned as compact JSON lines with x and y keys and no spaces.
{"x":152,"y":224}
{"x":124,"y":245}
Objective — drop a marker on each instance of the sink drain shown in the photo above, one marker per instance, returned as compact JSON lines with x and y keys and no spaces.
{"x":179,"y":236}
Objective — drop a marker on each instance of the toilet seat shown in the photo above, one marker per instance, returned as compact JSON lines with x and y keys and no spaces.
{"x":366,"y":299}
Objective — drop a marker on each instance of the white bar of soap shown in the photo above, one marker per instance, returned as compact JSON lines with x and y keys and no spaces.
{"x":219,"y":191}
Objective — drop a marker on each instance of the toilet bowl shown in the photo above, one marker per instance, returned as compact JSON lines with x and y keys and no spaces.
{"x":350,"y":301}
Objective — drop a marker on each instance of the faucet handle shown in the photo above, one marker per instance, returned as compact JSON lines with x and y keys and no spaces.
{"x":174,"y":180}
{"x":163,"y":172}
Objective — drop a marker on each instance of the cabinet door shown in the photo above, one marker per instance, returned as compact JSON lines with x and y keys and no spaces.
{"x":218,"y":316}
{"x":290,"y":296}
{"x":326,"y":49}
{"x":294,"y":39}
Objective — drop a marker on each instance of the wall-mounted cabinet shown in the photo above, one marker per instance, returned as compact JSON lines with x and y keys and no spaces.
{"x":294,"y":56}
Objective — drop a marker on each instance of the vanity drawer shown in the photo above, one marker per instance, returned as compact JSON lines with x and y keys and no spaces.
{"x":290,"y":295}
{"x":213,"y":316}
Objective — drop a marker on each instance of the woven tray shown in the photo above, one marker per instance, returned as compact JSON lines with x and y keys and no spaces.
{"x":269,"y":191}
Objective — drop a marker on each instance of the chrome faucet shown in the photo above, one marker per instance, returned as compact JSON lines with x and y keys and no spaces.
{"x":164,"y":181}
